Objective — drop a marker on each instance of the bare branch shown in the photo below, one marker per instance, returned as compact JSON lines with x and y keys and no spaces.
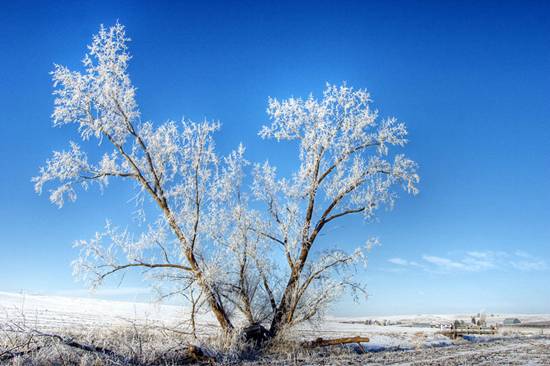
{"x":117,"y":268}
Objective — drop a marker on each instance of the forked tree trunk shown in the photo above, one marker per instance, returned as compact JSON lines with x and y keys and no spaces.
{"x":283,"y":313}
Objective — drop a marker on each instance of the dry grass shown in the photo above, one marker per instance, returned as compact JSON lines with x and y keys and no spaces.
{"x":147,"y":345}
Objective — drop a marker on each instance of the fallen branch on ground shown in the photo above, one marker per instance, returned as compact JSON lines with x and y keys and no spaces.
{"x":29,"y":341}
{"x":194,"y":354}
{"x":33,"y":333}
{"x":320,"y":342}
{"x":10,"y":354}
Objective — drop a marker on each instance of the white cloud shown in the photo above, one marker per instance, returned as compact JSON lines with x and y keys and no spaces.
{"x":526,"y":262}
{"x":399,"y":261}
{"x":536,"y":265}
{"x":403,"y":262}
{"x":443,"y":263}
{"x":475,"y":264}
{"x":476,"y":261}
{"x":476,"y":254}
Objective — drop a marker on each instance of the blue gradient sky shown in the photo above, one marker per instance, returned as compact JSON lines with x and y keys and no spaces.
{"x":471,"y":81}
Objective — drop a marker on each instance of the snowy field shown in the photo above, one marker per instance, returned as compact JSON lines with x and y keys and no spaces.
{"x":411,"y":339}
{"x":54,"y":312}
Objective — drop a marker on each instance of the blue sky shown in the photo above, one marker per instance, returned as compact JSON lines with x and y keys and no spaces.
{"x":471,"y":81}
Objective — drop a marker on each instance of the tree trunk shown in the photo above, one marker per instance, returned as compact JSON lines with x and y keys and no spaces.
{"x":216,"y":307}
{"x":282,"y":316}
{"x":213,"y":301}
{"x":220,"y":313}
{"x":285,"y":311}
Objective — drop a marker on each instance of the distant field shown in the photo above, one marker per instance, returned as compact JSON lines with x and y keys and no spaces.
{"x":53,"y":312}
{"x":412,"y":339}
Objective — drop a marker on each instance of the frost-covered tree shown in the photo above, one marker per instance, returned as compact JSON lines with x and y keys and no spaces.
{"x":345,"y":169}
{"x":174,"y":165}
{"x":210,"y":241}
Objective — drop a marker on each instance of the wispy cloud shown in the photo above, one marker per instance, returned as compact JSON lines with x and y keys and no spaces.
{"x":399,"y":261}
{"x":526,"y":262}
{"x":444,"y":263}
{"x":533,"y":265}
{"x":475,"y":261}
{"x":403,"y":262}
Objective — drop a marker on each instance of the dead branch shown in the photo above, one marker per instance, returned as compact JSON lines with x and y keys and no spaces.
{"x":190,"y":355}
{"x":67,"y":342}
{"x":89,"y":348}
{"x":320,"y":342}
{"x":10,"y":354}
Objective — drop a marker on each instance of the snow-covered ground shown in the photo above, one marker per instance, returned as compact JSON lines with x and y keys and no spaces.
{"x":409,"y":333}
{"x":57,"y":311}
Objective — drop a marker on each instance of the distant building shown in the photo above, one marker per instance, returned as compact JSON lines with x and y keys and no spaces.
{"x":511,"y":321}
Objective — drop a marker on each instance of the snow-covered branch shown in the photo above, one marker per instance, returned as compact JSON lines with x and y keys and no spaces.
{"x":213,"y":232}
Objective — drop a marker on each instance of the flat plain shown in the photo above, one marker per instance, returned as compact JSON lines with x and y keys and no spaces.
{"x":399,"y":340}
